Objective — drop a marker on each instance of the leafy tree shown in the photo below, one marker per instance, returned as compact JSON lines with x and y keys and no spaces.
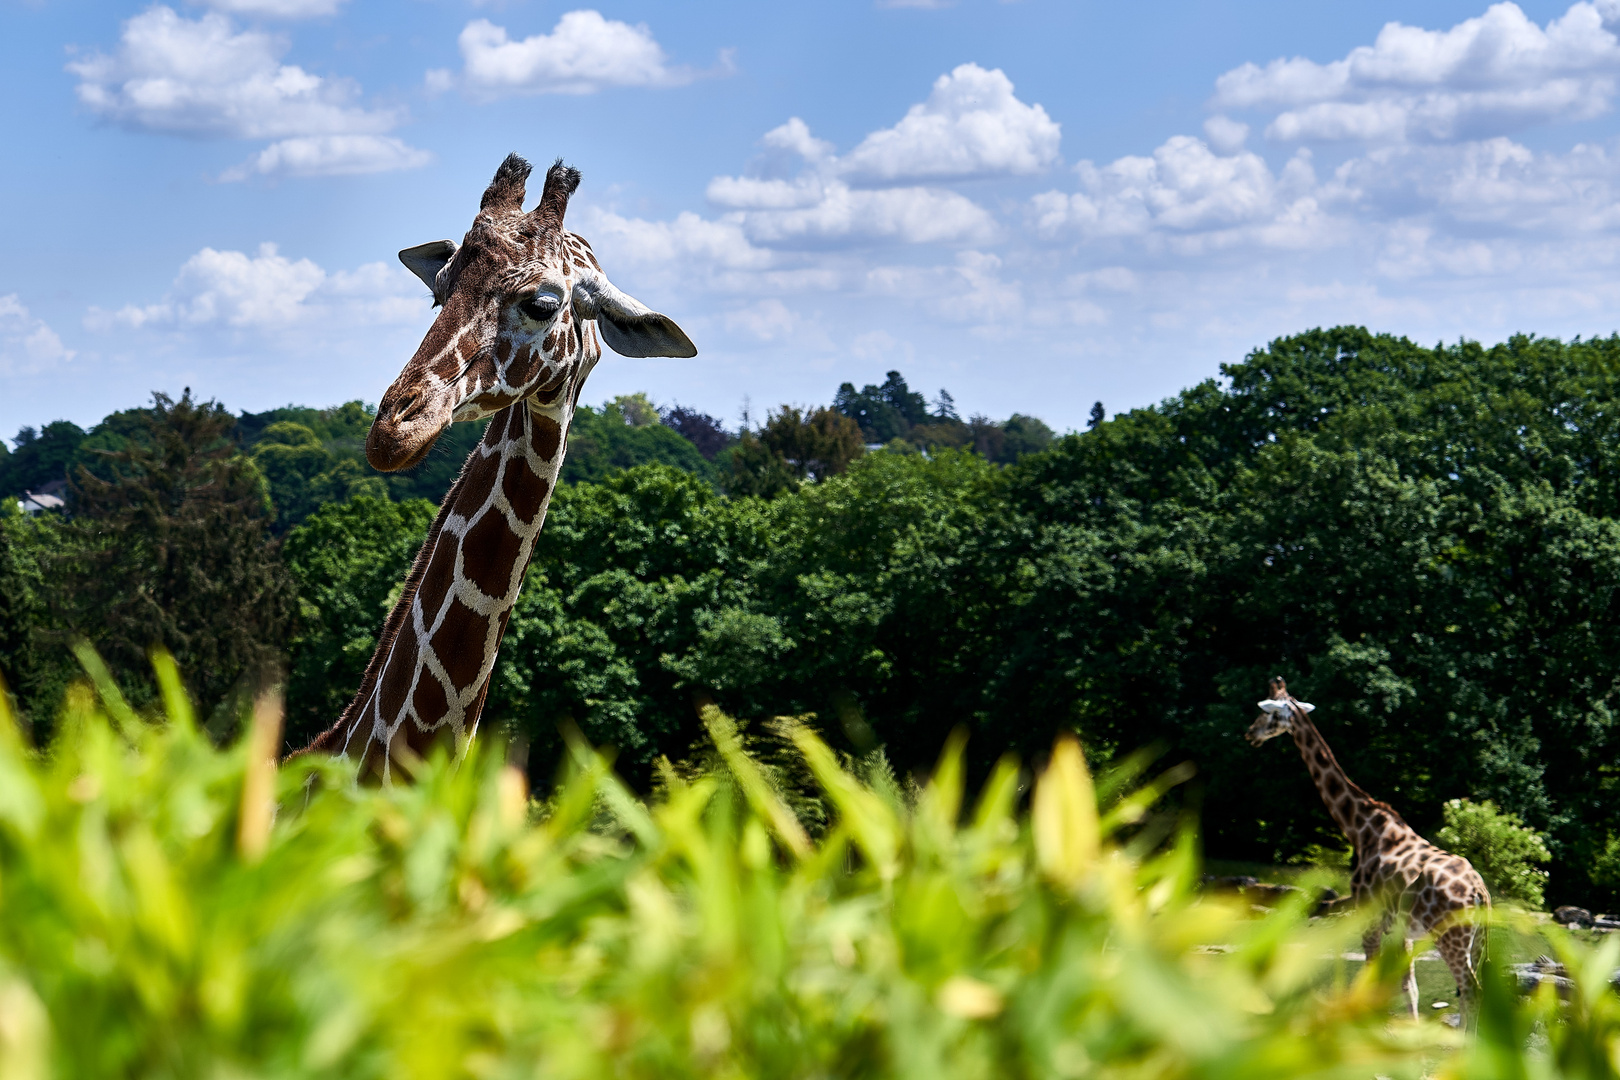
{"x":1500,"y":847}
{"x":1098,"y":415}
{"x":40,"y":457}
{"x":883,"y":412}
{"x":341,"y":429}
{"x":700,"y":429}
{"x":815,"y":444}
{"x":601,"y":443}
{"x":25,"y":656}
{"x":303,"y":474}
{"x":173,"y":550}
{"x":754,"y":469}
{"x":1023,"y":435}
{"x":630,"y":577}
{"x":637,"y":410}
{"x":947,"y":432}
{"x":794,"y":445}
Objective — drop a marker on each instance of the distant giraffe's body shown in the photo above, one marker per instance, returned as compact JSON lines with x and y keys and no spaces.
{"x":522,"y":299}
{"x":1395,"y":868}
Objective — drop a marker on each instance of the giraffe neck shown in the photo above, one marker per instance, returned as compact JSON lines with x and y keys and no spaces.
{"x":1348,"y":805}
{"x":430,"y":673}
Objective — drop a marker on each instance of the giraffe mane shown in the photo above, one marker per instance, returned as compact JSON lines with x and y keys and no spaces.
{"x":327,"y":741}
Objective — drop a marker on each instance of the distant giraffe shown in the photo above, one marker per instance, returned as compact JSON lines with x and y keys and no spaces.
{"x":1395,"y":867}
{"x":521,"y":300}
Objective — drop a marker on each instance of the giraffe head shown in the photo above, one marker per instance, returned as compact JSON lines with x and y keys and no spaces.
{"x":521,"y":300}
{"x":1276,"y":714}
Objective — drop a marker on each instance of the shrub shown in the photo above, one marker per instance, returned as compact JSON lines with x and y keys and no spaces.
{"x":1500,"y":846}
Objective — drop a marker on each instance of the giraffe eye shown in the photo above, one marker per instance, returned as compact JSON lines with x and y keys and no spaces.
{"x":541,"y":306}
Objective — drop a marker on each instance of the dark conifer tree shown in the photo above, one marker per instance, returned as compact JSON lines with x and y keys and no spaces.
{"x":170,"y":546}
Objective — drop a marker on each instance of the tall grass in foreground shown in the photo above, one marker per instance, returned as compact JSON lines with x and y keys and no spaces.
{"x":170,"y":909}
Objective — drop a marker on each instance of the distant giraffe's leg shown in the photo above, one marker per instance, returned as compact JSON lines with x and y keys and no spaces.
{"x":1374,"y":935}
{"x":1459,"y":946}
{"x":1411,"y":979}
{"x":1373,"y":938}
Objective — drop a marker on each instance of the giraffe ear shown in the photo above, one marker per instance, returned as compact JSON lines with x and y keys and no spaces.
{"x":628,"y":326}
{"x":426,"y":260}
{"x":1307,"y":706}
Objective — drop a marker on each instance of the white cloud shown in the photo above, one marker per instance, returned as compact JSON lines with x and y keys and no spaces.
{"x":27,"y":344}
{"x":992,"y":295}
{"x":200,"y":77}
{"x":1489,"y":75}
{"x":687,"y":239}
{"x":331,"y":155}
{"x":584,"y":53}
{"x":1113,"y":279}
{"x":766,"y":320}
{"x":203,"y":77}
{"x":878,"y":345}
{"x":278,"y":9}
{"x":1496,"y":182}
{"x":751,"y":193}
{"x":971,"y":125}
{"x":267,"y":291}
{"x":1225,"y":134}
{"x":818,"y":206}
{"x":1185,"y":189}
{"x":915,"y":215}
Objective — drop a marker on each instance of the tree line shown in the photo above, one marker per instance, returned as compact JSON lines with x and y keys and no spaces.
{"x":309,"y":457}
{"x":1421,"y":540}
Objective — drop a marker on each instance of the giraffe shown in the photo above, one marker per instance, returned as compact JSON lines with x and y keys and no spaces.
{"x":521,"y":300}
{"x":1395,"y":868}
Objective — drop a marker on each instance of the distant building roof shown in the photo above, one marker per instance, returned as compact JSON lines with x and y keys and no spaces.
{"x":33,"y":502}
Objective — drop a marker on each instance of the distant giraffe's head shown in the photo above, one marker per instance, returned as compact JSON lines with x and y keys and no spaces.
{"x":519,"y":298}
{"x":1276,"y":714}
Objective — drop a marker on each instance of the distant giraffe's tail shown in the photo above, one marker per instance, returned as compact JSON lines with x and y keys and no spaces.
{"x":1482,"y":936}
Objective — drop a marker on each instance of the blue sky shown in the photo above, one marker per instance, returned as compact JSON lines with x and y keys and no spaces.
{"x":1035,"y":205}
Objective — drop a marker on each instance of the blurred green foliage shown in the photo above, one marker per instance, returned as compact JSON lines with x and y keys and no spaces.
{"x":172,"y":909}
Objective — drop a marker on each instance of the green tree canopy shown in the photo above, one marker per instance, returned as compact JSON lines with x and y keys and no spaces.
{"x":40,"y":457}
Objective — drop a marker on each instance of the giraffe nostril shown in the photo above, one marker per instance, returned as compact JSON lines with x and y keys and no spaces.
{"x":409,"y":407}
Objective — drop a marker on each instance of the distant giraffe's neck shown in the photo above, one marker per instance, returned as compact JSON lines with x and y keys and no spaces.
{"x":431,"y":671}
{"x":1346,"y":802}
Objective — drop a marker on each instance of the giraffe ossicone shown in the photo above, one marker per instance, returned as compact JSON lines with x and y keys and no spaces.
{"x":521,"y":302}
{"x":1395,"y":868}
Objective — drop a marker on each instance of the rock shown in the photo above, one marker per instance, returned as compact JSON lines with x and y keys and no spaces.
{"x":1329,"y":901}
{"x":1267,"y":890}
{"x":1572,"y":916}
{"x":1267,"y":894}
{"x":1236,"y":881}
{"x":1543,"y":969}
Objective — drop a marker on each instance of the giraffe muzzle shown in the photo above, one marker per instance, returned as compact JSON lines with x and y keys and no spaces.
{"x":405,"y":429}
